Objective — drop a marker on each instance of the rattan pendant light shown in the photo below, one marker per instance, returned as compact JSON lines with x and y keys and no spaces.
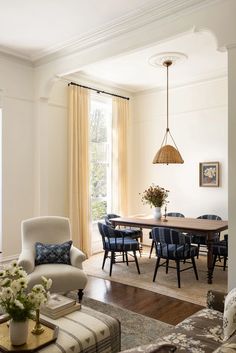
{"x":168,"y":153}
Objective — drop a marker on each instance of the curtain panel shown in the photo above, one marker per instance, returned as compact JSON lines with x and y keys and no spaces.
{"x":78,"y":167}
{"x":120,"y":111}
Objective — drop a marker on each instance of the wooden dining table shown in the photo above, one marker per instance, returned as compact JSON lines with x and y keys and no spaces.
{"x":187,"y":225}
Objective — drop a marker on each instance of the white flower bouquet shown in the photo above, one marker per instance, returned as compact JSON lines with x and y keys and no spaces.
{"x":14,"y":298}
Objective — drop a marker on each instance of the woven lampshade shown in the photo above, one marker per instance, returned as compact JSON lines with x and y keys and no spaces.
{"x":168,"y":154}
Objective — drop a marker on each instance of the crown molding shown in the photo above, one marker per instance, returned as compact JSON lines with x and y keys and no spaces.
{"x":142,"y":16}
{"x":218,"y":75}
{"x":132,"y":92}
{"x":15,"y":57}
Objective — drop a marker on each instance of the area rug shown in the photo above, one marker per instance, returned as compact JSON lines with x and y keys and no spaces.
{"x":136,"y":329}
{"x":191,"y":290}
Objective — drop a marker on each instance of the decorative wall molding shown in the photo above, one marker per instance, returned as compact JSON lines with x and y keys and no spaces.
{"x":142,"y":16}
{"x":6,"y":259}
{"x":28,"y":100}
{"x":217,"y":76}
{"x":14,"y":56}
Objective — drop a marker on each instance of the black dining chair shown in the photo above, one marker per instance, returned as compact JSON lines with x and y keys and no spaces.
{"x":220,"y":250}
{"x":201,"y":240}
{"x":116,"y":241}
{"x":132,"y":232}
{"x":169,"y":214}
{"x":176,"y":246}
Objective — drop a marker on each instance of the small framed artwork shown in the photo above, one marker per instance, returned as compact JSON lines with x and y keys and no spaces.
{"x":209,"y":174}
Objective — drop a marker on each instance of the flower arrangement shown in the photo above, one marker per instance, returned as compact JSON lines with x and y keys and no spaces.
{"x":210,"y":172}
{"x":155,"y":196}
{"x":14,"y":299}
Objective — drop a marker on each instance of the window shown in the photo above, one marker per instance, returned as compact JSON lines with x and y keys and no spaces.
{"x":100,"y":163}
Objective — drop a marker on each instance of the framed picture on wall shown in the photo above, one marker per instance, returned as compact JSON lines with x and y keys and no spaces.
{"x":209,"y":174}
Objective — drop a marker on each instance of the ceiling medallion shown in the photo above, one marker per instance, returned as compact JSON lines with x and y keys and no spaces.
{"x":158,"y":60}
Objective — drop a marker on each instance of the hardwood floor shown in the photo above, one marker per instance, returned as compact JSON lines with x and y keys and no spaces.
{"x":141,"y":301}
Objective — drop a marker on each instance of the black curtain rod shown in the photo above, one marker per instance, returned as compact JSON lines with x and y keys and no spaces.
{"x":97,"y":90}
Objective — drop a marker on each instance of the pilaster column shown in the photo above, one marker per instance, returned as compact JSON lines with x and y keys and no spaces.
{"x":232,"y":164}
{"x":41,"y":157}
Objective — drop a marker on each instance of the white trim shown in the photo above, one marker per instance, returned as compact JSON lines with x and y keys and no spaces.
{"x":20,"y":99}
{"x":57,"y":105}
{"x":9,"y":258}
{"x":14,"y":56}
{"x":183,"y":112}
{"x":1,"y":98}
{"x":142,"y":16}
{"x":222,"y":76}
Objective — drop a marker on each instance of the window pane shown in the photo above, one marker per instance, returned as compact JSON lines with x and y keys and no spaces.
{"x":100,"y":164}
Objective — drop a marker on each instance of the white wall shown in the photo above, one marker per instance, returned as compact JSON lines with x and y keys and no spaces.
{"x":198,"y":123}
{"x":16,"y":85}
{"x":57,"y":151}
{"x":232,"y":165}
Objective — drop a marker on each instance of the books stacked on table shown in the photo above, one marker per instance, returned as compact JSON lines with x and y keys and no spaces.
{"x":58,"y":306}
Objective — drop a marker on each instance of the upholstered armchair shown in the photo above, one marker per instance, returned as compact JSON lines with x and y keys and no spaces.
{"x":62,"y":264}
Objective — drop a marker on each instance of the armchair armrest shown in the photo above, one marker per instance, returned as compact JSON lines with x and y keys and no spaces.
{"x":216,"y":300}
{"x":26,"y":260}
{"x":76,"y":257}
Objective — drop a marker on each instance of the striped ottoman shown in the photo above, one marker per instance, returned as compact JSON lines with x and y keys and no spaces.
{"x":85,"y":331}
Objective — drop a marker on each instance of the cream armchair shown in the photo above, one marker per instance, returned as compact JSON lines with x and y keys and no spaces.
{"x":51,"y":230}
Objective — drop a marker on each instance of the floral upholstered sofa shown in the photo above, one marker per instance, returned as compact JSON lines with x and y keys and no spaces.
{"x":200,"y":333}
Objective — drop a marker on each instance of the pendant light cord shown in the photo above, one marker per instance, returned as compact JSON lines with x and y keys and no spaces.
{"x":167,"y":100}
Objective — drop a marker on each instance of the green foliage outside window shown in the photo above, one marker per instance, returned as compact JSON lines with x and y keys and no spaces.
{"x":98,"y":166}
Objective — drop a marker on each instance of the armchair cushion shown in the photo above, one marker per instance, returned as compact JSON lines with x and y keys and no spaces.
{"x":52,"y":253}
{"x":229,"y":323}
{"x":76,"y":257}
{"x":64,"y":277}
{"x":27,"y":260}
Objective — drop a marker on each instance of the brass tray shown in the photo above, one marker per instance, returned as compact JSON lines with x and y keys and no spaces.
{"x":34,"y":342}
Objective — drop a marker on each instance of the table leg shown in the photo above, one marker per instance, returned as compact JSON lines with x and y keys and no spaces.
{"x":209,"y":257}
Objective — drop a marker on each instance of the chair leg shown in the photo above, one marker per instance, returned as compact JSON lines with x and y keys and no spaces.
{"x":156,"y":268}
{"x":225,"y":260}
{"x":80,"y":295}
{"x":198,"y":250}
{"x":194,"y":267}
{"x":112,"y":260}
{"x":140,"y":248}
{"x":178,"y":271}
{"x":104,"y":258}
{"x":126,"y":256}
{"x":136,"y":261}
{"x":152,"y":246}
{"x":214,"y":262}
{"x":167,"y":265}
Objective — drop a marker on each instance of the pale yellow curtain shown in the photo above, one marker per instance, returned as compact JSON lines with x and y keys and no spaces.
{"x":78,"y":168}
{"x":120,"y":109}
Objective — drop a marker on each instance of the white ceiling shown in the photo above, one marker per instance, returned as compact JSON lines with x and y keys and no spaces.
{"x":35,"y":29}
{"x":29,"y":28}
{"x":133,"y":73}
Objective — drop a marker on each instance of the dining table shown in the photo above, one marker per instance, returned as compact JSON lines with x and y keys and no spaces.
{"x":205,"y":227}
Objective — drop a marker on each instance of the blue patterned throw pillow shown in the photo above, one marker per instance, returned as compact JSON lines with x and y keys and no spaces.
{"x":52,"y":253}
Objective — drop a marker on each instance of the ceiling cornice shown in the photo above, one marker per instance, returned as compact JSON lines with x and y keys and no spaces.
{"x":217,"y":75}
{"x":147,"y":14}
{"x":142,"y":16}
{"x":15,"y":56}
